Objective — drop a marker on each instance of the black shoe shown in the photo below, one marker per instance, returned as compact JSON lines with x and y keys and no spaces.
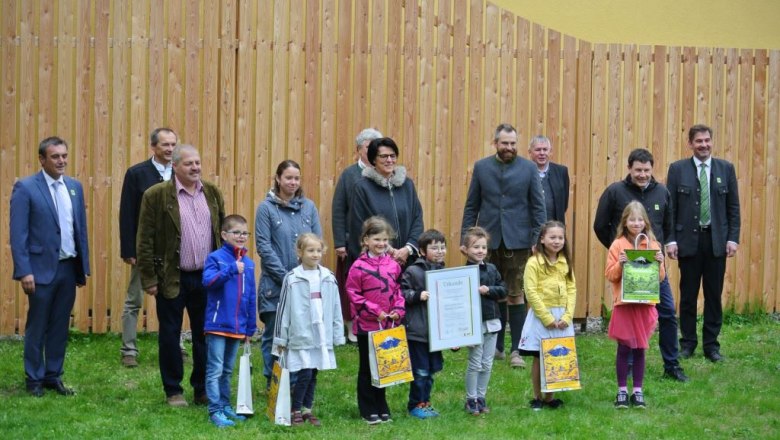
{"x":714,"y":356}
{"x":686,"y":353}
{"x":638,"y":400}
{"x":35,"y":390}
{"x":677,"y":374}
{"x":60,"y":388}
{"x":621,"y":400}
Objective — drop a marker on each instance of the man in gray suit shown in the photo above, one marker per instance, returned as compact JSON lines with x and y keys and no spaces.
{"x":506,"y":199}
{"x":705,"y":201}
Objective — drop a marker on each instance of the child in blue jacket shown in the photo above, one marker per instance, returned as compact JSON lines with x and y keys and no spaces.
{"x":229,"y":278}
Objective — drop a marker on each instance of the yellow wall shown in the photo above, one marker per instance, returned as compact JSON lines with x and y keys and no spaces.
{"x":749,"y":24}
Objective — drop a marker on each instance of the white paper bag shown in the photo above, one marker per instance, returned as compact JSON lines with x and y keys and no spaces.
{"x":244,"y":393}
{"x":279,"y":404}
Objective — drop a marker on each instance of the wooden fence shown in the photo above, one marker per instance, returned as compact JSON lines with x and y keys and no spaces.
{"x":254,"y":82}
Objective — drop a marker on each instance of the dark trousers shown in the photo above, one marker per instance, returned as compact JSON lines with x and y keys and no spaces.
{"x":667,"y":327}
{"x":709,"y":270}
{"x":303,"y":391}
{"x":502,"y":332}
{"x":370,"y":400}
{"x":170,"y":313}
{"x":48,"y":319}
{"x":267,"y":343}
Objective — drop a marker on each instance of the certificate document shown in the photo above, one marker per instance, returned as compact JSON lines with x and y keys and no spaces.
{"x":454,"y":308}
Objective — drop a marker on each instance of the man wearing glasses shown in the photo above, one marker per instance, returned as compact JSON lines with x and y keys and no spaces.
{"x":178,"y":227}
{"x":138,"y":179}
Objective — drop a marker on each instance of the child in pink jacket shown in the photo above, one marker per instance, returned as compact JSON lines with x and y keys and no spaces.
{"x":376,"y":302}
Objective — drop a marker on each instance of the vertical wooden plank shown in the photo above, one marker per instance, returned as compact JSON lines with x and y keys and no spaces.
{"x":113,"y":294}
{"x":281,"y":60}
{"x":295,"y":84}
{"x":771,"y":300}
{"x":311,"y":110}
{"x":659,"y":112}
{"x":224,"y":162}
{"x":326,"y":144}
{"x":360,"y":66}
{"x":12,"y":299}
{"x":479,"y":136}
{"x":47,"y":86}
{"x":426,"y":120}
{"x":676,"y":137}
{"x":491,"y":103}
{"x":600,"y":162}
{"x":718,"y":90}
{"x":538,"y":62}
{"x":644,"y":114}
{"x":738,"y":276}
{"x":377,"y":106}
{"x":139,"y":128}
{"x":689,"y":87}
{"x":523,"y":82}
{"x":565,"y":149}
{"x":263,"y":26}
{"x":173,"y":45}
{"x":100,"y":160}
{"x":211,"y":93}
{"x":28,"y":68}
{"x":409,"y":136}
{"x":758,"y":189}
{"x":579,"y":208}
{"x":66,"y":43}
{"x":553,"y":101}
{"x":459,"y":125}
{"x":629,"y":101}
{"x":395,"y":63}
{"x":441,"y":174}
{"x":703,"y":65}
{"x":157,"y":65}
{"x":614,"y":147}
{"x":506,"y":78}
{"x":245,"y":91}
{"x":191,"y":70}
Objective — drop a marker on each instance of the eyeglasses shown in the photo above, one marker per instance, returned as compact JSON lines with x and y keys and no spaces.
{"x":239,"y":233}
{"x":387,"y":156}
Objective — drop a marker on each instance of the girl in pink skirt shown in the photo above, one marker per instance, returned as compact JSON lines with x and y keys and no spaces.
{"x":632,"y":324}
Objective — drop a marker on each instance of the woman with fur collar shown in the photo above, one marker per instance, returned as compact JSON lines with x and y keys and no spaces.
{"x":385,"y":190}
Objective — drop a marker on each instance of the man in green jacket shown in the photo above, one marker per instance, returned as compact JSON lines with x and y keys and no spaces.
{"x":177,"y":218}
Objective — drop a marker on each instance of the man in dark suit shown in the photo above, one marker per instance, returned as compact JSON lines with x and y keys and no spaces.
{"x":138,"y":179}
{"x":640,"y":185}
{"x":51,"y":257}
{"x":554,"y":177}
{"x":178,"y":227}
{"x":705,"y":202}
{"x":505,"y":198}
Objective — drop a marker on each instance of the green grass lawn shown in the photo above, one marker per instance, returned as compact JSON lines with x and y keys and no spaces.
{"x":735,"y":399}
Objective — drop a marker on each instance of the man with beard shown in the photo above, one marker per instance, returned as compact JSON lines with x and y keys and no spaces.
{"x":506,"y":199}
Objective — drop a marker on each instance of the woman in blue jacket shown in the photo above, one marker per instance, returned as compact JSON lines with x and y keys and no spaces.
{"x":283,"y":216}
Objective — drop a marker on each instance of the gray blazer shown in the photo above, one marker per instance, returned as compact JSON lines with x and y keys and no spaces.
{"x":507,"y":200}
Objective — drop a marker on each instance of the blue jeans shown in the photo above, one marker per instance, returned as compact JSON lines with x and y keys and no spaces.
{"x":267,"y":342}
{"x":221,"y":356}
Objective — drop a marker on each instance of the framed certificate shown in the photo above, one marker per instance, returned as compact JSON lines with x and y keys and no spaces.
{"x":454,"y":307}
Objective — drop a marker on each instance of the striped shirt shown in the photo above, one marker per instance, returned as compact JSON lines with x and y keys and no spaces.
{"x":195,"y":227}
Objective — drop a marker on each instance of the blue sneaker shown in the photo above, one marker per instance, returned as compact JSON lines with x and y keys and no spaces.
{"x":220,"y":421}
{"x":230,"y":414}
{"x":431,"y":410}
{"x":419,"y":412}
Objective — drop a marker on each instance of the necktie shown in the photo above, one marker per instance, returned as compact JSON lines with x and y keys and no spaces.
{"x":67,"y":244}
{"x":704,"y":186}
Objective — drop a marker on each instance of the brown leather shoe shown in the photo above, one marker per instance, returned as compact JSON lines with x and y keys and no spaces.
{"x":201,"y":400}
{"x":129,"y":361}
{"x":177,"y":400}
